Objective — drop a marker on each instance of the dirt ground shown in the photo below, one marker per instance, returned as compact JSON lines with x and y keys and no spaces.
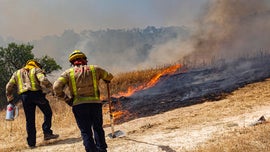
{"x":181,"y":129}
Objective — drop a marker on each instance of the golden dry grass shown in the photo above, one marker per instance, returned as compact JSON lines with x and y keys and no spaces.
{"x":253,"y":139}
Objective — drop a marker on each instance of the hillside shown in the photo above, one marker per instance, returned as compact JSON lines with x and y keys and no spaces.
{"x":222,"y":125}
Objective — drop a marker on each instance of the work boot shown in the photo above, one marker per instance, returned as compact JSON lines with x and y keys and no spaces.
{"x":102,"y":150}
{"x":50,"y":136}
{"x":32,"y":147}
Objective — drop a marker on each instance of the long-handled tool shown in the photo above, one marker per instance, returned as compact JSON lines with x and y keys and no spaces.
{"x":117,"y":133}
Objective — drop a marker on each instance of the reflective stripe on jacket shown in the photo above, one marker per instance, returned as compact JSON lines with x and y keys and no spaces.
{"x":83,"y":83}
{"x":26,"y":80}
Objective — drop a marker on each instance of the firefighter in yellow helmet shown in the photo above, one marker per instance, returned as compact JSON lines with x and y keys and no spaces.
{"x":29,"y":81}
{"x":83,"y":83}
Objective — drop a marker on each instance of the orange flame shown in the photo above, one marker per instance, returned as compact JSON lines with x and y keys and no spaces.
{"x":118,"y":114}
{"x":170,"y":70}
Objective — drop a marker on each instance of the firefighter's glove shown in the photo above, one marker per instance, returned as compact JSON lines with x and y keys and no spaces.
{"x":69,"y":101}
{"x":107,"y":81}
{"x":12,"y":102}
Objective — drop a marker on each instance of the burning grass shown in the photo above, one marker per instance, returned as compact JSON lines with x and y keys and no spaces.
{"x":123,"y":81}
{"x":150,"y":83}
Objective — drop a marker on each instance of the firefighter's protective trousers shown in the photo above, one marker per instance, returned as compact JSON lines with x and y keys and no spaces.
{"x":89,"y":117}
{"x":30,"y":100}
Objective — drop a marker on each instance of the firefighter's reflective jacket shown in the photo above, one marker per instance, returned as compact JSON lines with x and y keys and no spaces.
{"x":83,"y":83}
{"x":29,"y":78}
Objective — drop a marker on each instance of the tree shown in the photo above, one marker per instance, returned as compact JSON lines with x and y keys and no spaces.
{"x":14,"y":57}
{"x":48,"y":64}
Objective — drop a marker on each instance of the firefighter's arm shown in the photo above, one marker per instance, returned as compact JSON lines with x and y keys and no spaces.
{"x":58,"y":88}
{"x":9,"y":88}
{"x":105,"y":76}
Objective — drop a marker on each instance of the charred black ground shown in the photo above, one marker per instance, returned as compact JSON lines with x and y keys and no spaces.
{"x":209,"y":82}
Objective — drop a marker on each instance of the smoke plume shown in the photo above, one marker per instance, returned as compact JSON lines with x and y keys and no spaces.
{"x":232,"y":28}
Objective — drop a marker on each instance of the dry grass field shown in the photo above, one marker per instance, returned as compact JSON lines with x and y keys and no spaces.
{"x":212,"y":126}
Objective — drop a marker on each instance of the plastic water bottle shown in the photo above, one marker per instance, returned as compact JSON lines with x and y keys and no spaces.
{"x":12,"y":112}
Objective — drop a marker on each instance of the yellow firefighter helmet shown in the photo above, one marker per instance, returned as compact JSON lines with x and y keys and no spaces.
{"x":76,"y":54}
{"x":34,"y":63}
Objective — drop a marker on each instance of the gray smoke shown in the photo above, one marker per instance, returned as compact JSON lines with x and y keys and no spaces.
{"x":118,"y":50}
{"x":232,"y":28}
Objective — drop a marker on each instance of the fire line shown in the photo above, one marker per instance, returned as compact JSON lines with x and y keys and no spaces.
{"x":131,"y":90}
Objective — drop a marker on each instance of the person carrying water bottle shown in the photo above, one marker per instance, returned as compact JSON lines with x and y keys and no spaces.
{"x":28,"y":81}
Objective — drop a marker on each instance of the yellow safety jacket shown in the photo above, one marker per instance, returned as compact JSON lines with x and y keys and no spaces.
{"x":83,"y":83}
{"x":27,"y":79}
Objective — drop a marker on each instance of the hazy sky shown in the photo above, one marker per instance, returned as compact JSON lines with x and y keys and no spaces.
{"x":31,"y":19}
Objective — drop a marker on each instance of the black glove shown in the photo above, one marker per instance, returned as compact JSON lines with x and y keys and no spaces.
{"x":107,"y":81}
{"x":104,"y":102}
{"x":69,"y":101}
{"x":12,"y":102}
